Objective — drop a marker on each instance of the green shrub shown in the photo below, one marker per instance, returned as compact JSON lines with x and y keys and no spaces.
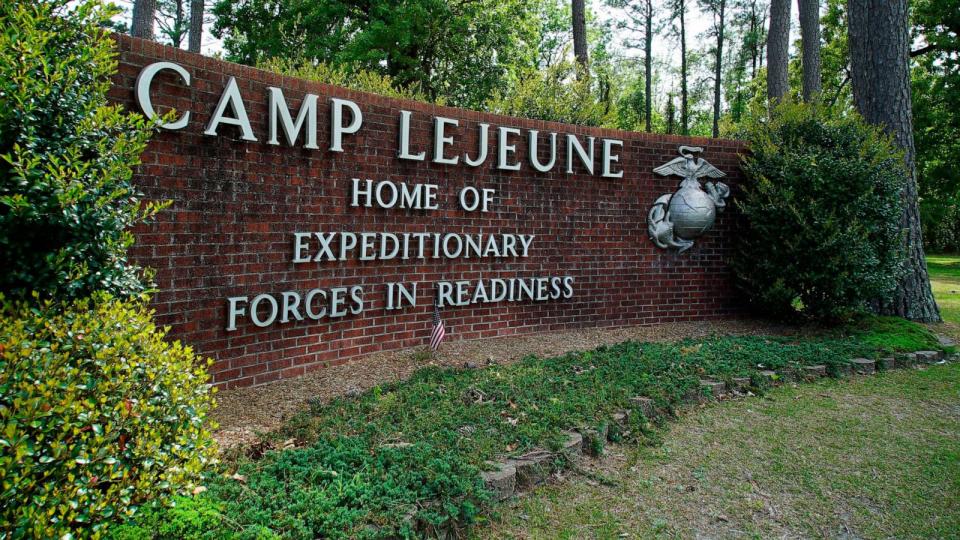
{"x":66,"y":157}
{"x":99,"y":414}
{"x":554,"y":94}
{"x":355,"y":79}
{"x":822,"y":214}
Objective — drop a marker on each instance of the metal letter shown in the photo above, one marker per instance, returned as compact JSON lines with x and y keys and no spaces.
{"x":573,"y":143}
{"x":503,"y":149}
{"x":337,"y":129}
{"x":405,"y":139}
{"x":440,"y":140}
{"x":145,"y":78}
{"x":231,"y":96}
{"x":534,"y":160}
{"x":308,"y":114}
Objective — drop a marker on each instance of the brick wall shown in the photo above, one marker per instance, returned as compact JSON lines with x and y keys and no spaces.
{"x":236,"y":204}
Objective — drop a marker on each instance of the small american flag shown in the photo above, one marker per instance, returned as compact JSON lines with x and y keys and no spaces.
{"x":439,"y":332}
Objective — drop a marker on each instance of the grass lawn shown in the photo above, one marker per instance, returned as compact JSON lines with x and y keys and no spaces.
{"x":945,"y":278}
{"x":869,"y":458}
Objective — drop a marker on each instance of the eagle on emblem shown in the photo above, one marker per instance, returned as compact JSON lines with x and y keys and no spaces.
{"x":676,"y":219}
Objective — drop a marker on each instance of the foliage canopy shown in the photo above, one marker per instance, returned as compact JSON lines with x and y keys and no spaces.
{"x":459,"y":50}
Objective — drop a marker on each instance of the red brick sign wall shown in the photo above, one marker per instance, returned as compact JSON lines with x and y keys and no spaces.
{"x":242,"y":243}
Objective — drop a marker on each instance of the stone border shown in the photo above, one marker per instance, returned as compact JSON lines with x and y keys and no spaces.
{"x":515,"y":476}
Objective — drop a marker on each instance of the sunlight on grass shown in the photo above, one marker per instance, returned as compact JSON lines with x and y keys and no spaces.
{"x":945,"y":278}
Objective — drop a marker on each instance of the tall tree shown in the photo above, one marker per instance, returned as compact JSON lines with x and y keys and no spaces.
{"x":171,"y":19}
{"x":810,"y":42}
{"x":752,"y":20}
{"x":144,"y":12}
{"x":778,"y":50}
{"x":671,"y":115}
{"x":879,"y":40}
{"x":579,"y":16}
{"x":679,"y":14}
{"x":639,"y":18}
{"x":648,"y":65}
{"x":717,"y":9}
{"x":196,"y":25}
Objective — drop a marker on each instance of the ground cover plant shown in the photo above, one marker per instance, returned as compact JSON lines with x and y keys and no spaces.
{"x":403,"y":458}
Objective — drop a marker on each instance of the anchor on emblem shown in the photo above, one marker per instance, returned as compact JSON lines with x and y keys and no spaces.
{"x":676,"y":219}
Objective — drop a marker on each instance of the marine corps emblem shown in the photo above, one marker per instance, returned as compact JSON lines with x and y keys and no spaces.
{"x":675,"y":220}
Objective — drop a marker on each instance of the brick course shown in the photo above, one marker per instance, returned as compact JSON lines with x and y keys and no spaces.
{"x":236,"y":204}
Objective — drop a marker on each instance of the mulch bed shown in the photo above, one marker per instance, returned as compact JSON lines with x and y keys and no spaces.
{"x":243,"y":413}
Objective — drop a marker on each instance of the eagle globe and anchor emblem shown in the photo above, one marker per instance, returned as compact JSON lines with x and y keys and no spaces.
{"x":676,"y":219}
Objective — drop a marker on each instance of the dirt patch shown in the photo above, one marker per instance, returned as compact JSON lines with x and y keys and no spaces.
{"x":244,"y":412}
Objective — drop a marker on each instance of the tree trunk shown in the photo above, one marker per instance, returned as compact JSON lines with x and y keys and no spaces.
{"x":671,"y":114}
{"x":778,"y":50}
{"x":648,"y":68}
{"x":580,"y":34}
{"x":144,"y":12}
{"x":196,"y":25}
{"x":879,"y":38}
{"x":810,"y":40}
{"x":755,"y":36}
{"x":718,"y":68}
{"x":684,"y":110}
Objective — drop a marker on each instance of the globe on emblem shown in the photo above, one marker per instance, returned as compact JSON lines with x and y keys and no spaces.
{"x":692,"y":212}
{"x":675,"y":220}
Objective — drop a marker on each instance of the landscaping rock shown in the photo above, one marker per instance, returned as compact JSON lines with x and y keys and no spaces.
{"x":693,"y":395}
{"x":887,"y":363}
{"x":741,"y":384}
{"x":573,"y":446}
{"x":928,"y":357}
{"x":646,"y":406}
{"x":907,"y":360}
{"x":946,"y":341}
{"x":593,"y":440}
{"x":502,"y":481}
{"x":863,"y":366}
{"x":532,"y":468}
{"x":714,"y":389}
{"x":815,"y":371}
{"x":771,"y":377}
{"x":844,"y":369}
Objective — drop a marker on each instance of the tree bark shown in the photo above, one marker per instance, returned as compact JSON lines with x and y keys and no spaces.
{"x":684,"y":109}
{"x":879,"y":38}
{"x":810,"y":40}
{"x":144,"y":13}
{"x":755,"y":36}
{"x":648,"y":68}
{"x":196,"y":25}
{"x":671,"y":114}
{"x":718,"y":67}
{"x":778,"y":50}
{"x":580,"y":33}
